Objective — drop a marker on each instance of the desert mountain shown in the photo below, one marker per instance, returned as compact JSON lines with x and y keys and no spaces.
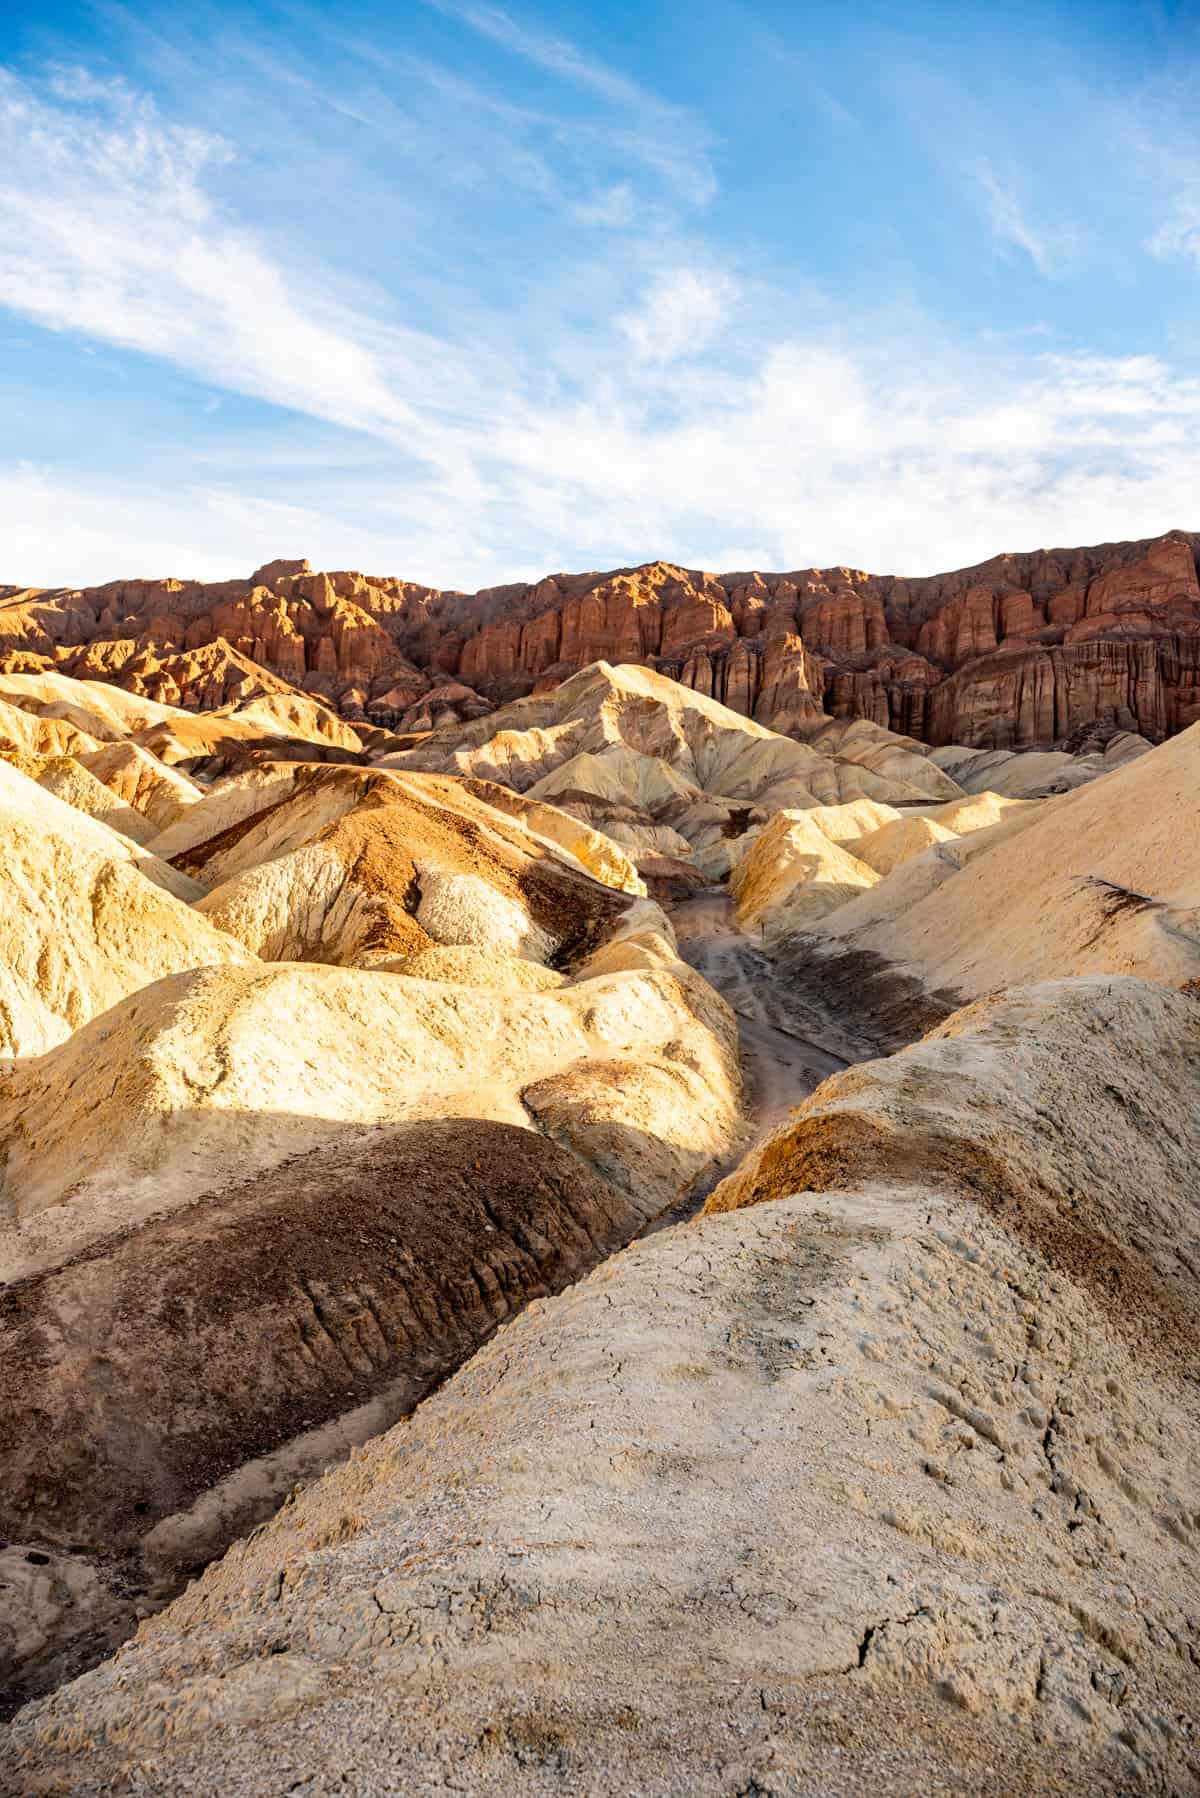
{"x":1030,"y":649}
{"x":670,"y":775}
{"x":367,"y":965}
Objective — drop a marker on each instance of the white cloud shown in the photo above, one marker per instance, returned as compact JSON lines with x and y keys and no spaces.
{"x":811,"y":460}
{"x":1180,"y":234}
{"x":614,"y":208}
{"x":680,"y":315}
{"x":106,"y":228}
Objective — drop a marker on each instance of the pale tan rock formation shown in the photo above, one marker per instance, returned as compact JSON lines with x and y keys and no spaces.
{"x":856,"y":818}
{"x":357,"y":1057}
{"x":229,"y":1070}
{"x":1102,"y":879}
{"x":346,"y":866}
{"x":274,"y":726}
{"x":211,"y":1081}
{"x":593,"y":849}
{"x":792,"y":875}
{"x":102,"y":712}
{"x":666,"y":772}
{"x":70,"y":781}
{"x":28,"y":733}
{"x":466,"y":965}
{"x":159,"y":793}
{"x":886,"y":1480}
{"x":885,"y":848}
{"x":903,"y":763}
{"x":88,"y":917}
{"x":979,"y":811}
{"x":1035,"y":774}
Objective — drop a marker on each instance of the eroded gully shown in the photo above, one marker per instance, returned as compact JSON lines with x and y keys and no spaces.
{"x":788,"y":1043}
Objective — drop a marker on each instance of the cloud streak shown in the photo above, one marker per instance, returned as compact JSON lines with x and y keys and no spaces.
{"x":666,"y":136}
{"x":106,"y":228}
{"x":1051,"y":251}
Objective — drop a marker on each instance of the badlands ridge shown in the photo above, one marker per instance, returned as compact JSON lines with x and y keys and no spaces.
{"x":570,"y":1239}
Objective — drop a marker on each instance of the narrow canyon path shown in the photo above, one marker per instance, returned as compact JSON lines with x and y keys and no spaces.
{"x":786,"y":1036}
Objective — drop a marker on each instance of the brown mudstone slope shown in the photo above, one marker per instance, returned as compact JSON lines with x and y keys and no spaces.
{"x":147,"y":1384}
{"x":1034,"y":648}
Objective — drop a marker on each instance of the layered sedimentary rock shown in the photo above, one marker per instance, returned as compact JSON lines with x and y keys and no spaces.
{"x":209,"y":1326}
{"x":1019,"y":650}
{"x":87,"y":916}
{"x":672,"y":776}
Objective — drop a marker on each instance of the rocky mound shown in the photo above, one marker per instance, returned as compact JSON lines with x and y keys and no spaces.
{"x":103,"y":713}
{"x":897,"y":842}
{"x":1102,"y":879}
{"x":977,"y":812}
{"x":904,"y":764}
{"x":888,"y":1480}
{"x":75,"y":785}
{"x":274,"y":727}
{"x":166,"y":1391}
{"x":1034,"y":774}
{"x":467,"y":966}
{"x":792,"y":875}
{"x":227,"y":1269}
{"x":348,"y":866}
{"x":592,"y":849}
{"x":86,"y":918}
{"x":229,"y":1070}
{"x":24,"y":733}
{"x":663,"y":772}
{"x":159,"y":793}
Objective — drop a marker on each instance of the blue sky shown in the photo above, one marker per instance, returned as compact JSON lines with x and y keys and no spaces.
{"x":469,"y":292}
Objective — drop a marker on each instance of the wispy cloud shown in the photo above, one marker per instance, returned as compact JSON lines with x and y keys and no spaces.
{"x":667,"y":136}
{"x":679,"y":315}
{"x":106,"y":228}
{"x":1179,"y":235}
{"x":615,"y":207}
{"x":1011,"y":227}
{"x":804,"y":76}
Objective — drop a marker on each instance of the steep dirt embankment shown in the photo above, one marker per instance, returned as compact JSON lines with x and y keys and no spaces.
{"x":163,"y":1392}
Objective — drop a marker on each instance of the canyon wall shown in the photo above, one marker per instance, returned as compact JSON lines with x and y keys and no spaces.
{"x":1021,"y":650}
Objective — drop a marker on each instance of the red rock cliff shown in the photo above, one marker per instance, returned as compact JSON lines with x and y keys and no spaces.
{"x":1020,"y":650}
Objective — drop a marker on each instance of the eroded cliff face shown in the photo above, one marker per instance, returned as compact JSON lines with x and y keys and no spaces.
{"x":1020,"y":650}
